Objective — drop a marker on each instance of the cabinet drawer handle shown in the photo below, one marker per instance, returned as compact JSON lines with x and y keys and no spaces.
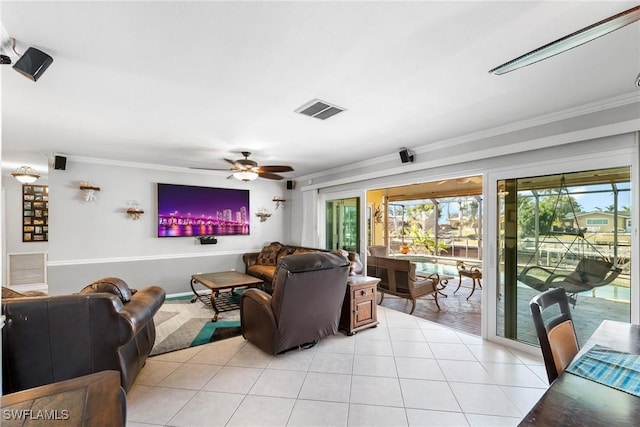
{"x":363,"y":292}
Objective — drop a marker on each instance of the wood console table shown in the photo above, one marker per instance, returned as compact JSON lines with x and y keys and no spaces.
{"x":359,"y":306}
{"x":94,"y":400}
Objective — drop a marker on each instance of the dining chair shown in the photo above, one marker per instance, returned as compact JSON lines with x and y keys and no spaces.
{"x":555,"y":330}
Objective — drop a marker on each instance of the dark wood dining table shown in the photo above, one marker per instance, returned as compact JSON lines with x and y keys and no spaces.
{"x":572,"y":400}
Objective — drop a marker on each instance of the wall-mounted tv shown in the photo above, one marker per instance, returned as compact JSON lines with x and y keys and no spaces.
{"x":187,"y":210}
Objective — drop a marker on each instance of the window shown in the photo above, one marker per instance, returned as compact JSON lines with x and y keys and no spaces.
{"x":597,"y":221}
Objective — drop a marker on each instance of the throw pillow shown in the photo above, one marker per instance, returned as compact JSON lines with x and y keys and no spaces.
{"x":269,"y":254}
{"x":297,"y":251}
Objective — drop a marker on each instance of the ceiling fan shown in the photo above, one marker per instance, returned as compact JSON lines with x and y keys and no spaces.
{"x":248,"y":170}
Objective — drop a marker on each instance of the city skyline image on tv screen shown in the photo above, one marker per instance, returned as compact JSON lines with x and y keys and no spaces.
{"x":187,"y":210}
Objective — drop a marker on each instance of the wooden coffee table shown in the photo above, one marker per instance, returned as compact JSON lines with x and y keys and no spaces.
{"x":222,"y":285}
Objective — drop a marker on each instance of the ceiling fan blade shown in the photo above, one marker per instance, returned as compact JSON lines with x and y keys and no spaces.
{"x":275,"y":169}
{"x":236,"y":164}
{"x":211,"y":169}
{"x":268,"y":175}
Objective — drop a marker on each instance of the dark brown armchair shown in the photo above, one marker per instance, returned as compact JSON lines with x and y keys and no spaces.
{"x":106,"y":326}
{"x":309,"y":289}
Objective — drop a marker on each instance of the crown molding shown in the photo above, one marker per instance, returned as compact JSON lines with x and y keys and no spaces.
{"x":515,"y":148}
{"x":603,"y":105}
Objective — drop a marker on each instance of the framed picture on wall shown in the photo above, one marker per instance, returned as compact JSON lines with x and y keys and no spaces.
{"x":35,"y":213}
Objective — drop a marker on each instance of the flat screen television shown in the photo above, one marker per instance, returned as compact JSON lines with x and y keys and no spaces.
{"x":187,"y":210}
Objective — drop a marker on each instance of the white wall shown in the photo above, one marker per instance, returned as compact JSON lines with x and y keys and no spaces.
{"x":88,"y":241}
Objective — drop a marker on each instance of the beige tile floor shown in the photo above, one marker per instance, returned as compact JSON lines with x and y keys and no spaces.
{"x":407,"y":371}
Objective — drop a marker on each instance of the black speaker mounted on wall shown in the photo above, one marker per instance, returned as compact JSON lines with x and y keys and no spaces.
{"x":291,"y":185}
{"x":60,"y":163}
{"x":406,"y":156}
{"x":33,"y":63}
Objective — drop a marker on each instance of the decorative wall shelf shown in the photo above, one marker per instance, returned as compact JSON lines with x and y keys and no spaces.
{"x":89,"y":191}
{"x":263,"y":214}
{"x":134,"y":209}
{"x":134,"y":213}
{"x":279,"y":201}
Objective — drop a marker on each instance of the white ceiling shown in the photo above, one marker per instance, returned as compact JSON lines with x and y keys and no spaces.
{"x":189,"y":83}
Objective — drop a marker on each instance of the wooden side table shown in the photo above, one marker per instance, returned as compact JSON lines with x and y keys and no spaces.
{"x":359,"y":306}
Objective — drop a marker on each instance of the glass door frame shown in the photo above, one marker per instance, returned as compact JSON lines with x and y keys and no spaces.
{"x":593,"y":161}
{"x":362,"y":206}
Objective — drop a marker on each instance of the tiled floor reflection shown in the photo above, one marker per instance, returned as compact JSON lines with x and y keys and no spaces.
{"x":406,"y":372}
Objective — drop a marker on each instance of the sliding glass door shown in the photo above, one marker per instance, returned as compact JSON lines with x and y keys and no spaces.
{"x":342,"y":226}
{"x":570,"y":231}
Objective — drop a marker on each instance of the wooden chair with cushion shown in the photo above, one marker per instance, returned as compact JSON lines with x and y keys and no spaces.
{"x":378,"y":250}
{"x":555,"y":329}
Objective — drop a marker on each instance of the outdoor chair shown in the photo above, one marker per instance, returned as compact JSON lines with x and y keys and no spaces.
{"x":378,"y":250}
{"x":398,"y":278}
{"x":588,"y":274}
{"x":555,"y":330}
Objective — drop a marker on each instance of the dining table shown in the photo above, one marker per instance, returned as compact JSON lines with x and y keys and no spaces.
{"x":575,"y":400}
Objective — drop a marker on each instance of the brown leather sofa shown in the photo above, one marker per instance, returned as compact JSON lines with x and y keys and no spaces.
{"x":106,"y":326}
{"x":309,"y":289}
{"x":263,"y":264}
{"x":398,"y":277}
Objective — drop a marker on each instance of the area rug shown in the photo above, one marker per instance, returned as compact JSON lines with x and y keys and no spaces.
{"x":181,"y":324}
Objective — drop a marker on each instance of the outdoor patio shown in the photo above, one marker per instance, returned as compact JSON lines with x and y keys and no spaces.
{"x":465,"y":315}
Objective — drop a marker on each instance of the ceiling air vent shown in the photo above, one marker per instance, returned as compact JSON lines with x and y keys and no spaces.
{"x":319,"y":109}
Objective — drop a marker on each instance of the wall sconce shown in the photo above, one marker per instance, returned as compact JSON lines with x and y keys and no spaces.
{"x":279,"y":201}
{"x":134,"y":209}
{"x":89,"y":191}
{"x":25,"y":175}
{"x":263,"y":214}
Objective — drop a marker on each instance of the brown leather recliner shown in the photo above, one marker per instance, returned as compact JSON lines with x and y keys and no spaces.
{"x":308,"y":293}
{"x":53,"y":338}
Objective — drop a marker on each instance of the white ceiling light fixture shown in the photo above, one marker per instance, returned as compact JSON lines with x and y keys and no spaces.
{"x":25,"y":175}
{"x":245,"y":176}
{"x":576,"y":39}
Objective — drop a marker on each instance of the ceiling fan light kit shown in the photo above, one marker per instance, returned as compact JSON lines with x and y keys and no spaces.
{"x":245,"y":176}
{"x":571,"y":41}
